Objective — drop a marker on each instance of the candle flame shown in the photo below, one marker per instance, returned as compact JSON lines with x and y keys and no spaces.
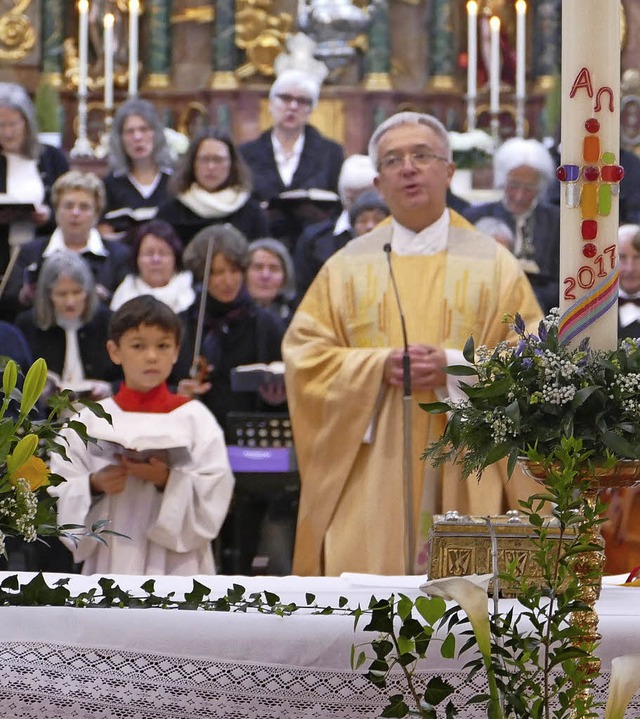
{"x":521,"y":7}
{"x":472,"y":7}
{"x":83,"y":6}
{"x":494,"y":23}
{"x":108,"y":20}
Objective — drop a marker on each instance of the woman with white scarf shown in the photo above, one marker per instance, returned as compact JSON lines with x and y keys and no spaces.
{"x":68,"y":327}
{"x":212,"y":186}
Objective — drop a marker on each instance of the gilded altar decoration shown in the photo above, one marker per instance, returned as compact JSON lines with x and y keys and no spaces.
{"x":17,"y":34}
{"x":262,"y":34}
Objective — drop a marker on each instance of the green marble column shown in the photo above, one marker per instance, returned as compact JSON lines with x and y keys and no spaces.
{"x":378,"y":58}
{"x":158,"y":51}
{"x":442,"y":44}
{"x":225,"y":54}
{"x":53,"y":13}
{"x":546,"y":42}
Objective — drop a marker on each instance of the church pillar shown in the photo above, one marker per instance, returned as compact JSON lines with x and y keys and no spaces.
{"x":224,"y":46}
{"x":52,"y":18}
{"x":442,"y":45}
{"x":546,"y":42}
{"x":379,"y":54}
{"x":158,"y":54}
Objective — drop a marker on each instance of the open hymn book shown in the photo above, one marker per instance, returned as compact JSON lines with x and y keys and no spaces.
{"x":250,"y":377}
{"x":140,"y":449}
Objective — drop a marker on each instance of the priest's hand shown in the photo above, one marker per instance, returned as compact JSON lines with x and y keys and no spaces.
{"x":155,"y":471}
{"x":427,"y":364}
{"x":111,"y":479}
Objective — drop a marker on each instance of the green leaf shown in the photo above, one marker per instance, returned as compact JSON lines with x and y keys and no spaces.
{"x":435,"y":407}
{"x":431,"y":609}
{"x":396,"y":707}
{"x":469,"y":350}
{"x":448,"y":647}
{"x":461,"y":370}
{"x":437,"y":691}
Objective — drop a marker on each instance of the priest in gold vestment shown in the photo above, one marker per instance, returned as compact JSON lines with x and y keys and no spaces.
{"x":343,"y":354}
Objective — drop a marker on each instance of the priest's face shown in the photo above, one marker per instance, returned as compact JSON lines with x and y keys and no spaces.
{"x":629,"y":262}
{"x":413,"y":174}
{"x":225,"y":279}
{"x":147,"y":354}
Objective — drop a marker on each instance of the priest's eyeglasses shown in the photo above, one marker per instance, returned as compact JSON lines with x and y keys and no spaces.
{"x":418,"y":157}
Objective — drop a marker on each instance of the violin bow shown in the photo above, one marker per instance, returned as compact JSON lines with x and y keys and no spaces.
{"x":201,"y":309}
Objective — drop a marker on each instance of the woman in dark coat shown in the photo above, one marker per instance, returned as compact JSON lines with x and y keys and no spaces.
{"x":212,"y":186}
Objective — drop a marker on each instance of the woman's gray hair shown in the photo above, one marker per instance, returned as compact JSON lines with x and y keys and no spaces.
{"x":296,"y":80}
{"x":277,"y":248}
{"x":225,"y":239}
{"x":409,"y":118}
{"x":14,"y":97}
{"x":76,"y":180}
{"x":118,"y":160}
{"x":518,"y":152}
{"x":357,"y":173}
{"x":63,"y":264}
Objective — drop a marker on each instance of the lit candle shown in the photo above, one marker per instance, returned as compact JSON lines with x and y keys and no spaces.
{"x":83,"y":46}
{"x":521,"y":45}
{"x":134,"y":8}
{"x":108,"y":61}
{"x":590,"y":143}
{"x":494,"y":73}
{"x":472,"y":48}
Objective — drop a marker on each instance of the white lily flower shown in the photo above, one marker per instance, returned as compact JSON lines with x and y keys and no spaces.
{"x":471,"y":594}
{"x":624,"y":683}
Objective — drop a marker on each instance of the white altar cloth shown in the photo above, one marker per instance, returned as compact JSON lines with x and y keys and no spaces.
{"x":67,"y":663}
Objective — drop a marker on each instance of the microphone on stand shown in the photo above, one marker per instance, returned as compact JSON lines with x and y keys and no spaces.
{"x":406,"y":361}
{"x":407,"y":451}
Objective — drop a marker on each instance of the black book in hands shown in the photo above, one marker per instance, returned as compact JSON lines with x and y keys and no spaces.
{"x":250,"y":377}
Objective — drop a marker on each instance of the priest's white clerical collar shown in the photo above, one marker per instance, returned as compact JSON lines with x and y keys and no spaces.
{"x":426,"y":242}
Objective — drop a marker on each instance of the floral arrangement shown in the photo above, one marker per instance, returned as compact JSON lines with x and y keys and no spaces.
{"x":535,"y":393}
{"x":26,"y":438}
{"x":471,"y":149}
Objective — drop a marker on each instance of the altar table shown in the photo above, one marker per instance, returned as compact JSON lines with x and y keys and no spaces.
{"x":68,"y":663}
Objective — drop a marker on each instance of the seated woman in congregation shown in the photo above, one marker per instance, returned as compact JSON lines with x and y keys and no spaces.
{"x":78,"y":200}
{"x":28,"y":169}
{"x":212,"y":185}
{"x":67,"y":326}
{"x":156,"y":264}
{"x":270,"y":277}
{"x":141,"y":165}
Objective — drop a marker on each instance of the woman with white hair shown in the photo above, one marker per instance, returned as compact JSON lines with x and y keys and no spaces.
{"x":292,"y":154}
{"x":523,"y":169}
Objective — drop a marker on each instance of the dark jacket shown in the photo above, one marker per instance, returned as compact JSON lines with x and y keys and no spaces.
{"x":319,"y":168}
{"x":546,"y":241}
{"x":92,"y":342}
{"x":123,"y":195}
{"x":250,"y":219}
{"x":314,"y":247}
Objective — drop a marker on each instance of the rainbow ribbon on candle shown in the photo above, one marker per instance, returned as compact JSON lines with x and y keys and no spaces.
{"x":588,"y":308}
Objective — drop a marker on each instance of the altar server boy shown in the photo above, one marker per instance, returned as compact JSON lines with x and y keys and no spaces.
{"x":159,"y":472}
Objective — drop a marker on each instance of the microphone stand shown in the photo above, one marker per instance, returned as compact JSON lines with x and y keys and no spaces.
{"x":407,"y":451}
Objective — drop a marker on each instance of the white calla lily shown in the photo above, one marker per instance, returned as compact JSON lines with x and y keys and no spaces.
{"x":624,"y":683}
{"x":471,"y":594}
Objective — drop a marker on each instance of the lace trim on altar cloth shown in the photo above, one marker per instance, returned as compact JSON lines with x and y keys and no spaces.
{"x":53,"y":681}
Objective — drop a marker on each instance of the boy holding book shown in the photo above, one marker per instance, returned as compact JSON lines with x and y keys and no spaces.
{"x":159,"y":472}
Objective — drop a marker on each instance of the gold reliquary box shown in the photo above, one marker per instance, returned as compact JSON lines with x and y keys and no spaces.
{"x":460,"y":545}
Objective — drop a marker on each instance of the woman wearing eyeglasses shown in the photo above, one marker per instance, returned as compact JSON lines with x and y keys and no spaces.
{"x":292,"y":154}
{"x":211,"y":186}
{"x":140,"y":168}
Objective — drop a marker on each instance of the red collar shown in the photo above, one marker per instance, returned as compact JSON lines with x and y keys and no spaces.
{"x":159,"y":399}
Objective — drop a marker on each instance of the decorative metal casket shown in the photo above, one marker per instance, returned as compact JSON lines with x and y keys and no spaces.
{"x":460,"y":545}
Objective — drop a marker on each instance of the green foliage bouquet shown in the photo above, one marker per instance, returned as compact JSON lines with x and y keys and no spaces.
{"x":26,"y":439}
{"x":536,"y":392}
{"x":471,"y":149}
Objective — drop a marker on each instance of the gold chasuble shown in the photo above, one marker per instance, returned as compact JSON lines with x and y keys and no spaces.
{"x":347,"y":422}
